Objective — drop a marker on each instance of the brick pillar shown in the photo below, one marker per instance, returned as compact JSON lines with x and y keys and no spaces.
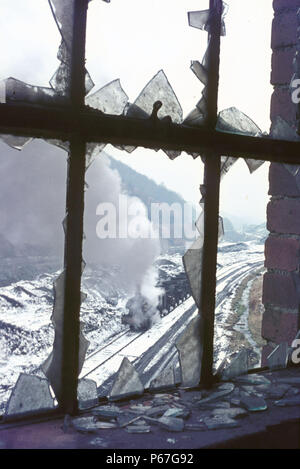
{"x":281,"y":288}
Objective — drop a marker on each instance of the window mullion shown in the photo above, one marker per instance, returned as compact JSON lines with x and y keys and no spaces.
{"x":211,"y":200}
{"x":74,"y":220}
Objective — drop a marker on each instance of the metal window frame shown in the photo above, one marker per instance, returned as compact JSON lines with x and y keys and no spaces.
{"x":80,"y":124}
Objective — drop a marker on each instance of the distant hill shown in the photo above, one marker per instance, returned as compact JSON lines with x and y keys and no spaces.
{"x":148,"y":191}
{"x":138,"y":185}
{"x":256,"y":233}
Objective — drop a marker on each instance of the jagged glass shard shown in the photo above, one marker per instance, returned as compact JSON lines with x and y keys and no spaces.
{"x":254,"y":379}
{"x":111,"y":99}
{"x":253,"y":165}
{"x":172,"y":154}
{"x":199,"y":19}
{"x":87,"y":393}
{"x":31,"y":393}
{"x":158,"y":89}
{"x":18,"y":91}
{"x":238,"y":366}
{"x":52,"y":365}
{"x":127,"y":381}
{"x":60,"y":144}
{"x":194,"y":119}
{"x":200,"y":71}
{"x":61,"y":79}
{"x":226,"y":163}
{"x":202,"y":105}
{"x":279,"y":357}
{"x":64,"y":14}
{"x":190,"y":348}
{"x":192,"y":261}
{"x":89,"y":84}
{"x":92,"y":151}
{"x":14,"y":141}
{"x":164,"y":380}
{"x":220,"y":228}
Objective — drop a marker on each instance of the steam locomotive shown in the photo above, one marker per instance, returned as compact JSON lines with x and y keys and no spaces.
{"x":140,"y":312}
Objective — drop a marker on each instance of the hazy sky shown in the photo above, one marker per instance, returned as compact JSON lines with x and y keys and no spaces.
{"x":132,"y":40}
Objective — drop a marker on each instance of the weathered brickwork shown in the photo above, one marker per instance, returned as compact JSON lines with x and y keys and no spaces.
{"x":281,"y":287}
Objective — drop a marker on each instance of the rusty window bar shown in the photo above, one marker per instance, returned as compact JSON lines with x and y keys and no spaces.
{"x":212,"y":167}
{"x":74,"y":221}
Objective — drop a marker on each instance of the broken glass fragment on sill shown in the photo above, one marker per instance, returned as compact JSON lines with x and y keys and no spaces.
{"x":127,"y":419}
{"x":237,"y":366}
{"x":138,"y":429}
{"x":293,"y":380}
{"x":277,"y":391}
{"x":106,"y":413}
{"x":288,"y":402}
{"x":171,"y":424}
{"x":278,"y":358}
{"x":110,"y":99}
{"x":219,"y":422}
{"x":87,"y":393}
{"x":14,"y":141}
{"x":194,"y":119}
{"x":189,"y":346}
{"x":226,"y":163}
{"x":127,"y":381}
{"x":253,"y":379}
{"x":89,"y":425}
{"x":253,"y":403}
{"x":164,"y":380}
{"x":221,"y":391}
{"x":31,"y":393}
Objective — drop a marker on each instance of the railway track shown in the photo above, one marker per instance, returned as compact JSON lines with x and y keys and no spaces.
{"x":148,"y":357}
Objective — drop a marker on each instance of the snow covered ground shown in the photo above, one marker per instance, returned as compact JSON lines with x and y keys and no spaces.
{"x":26,"y":331}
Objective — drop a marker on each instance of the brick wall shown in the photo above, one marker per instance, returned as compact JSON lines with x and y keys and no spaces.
{"x":281,"y":289}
